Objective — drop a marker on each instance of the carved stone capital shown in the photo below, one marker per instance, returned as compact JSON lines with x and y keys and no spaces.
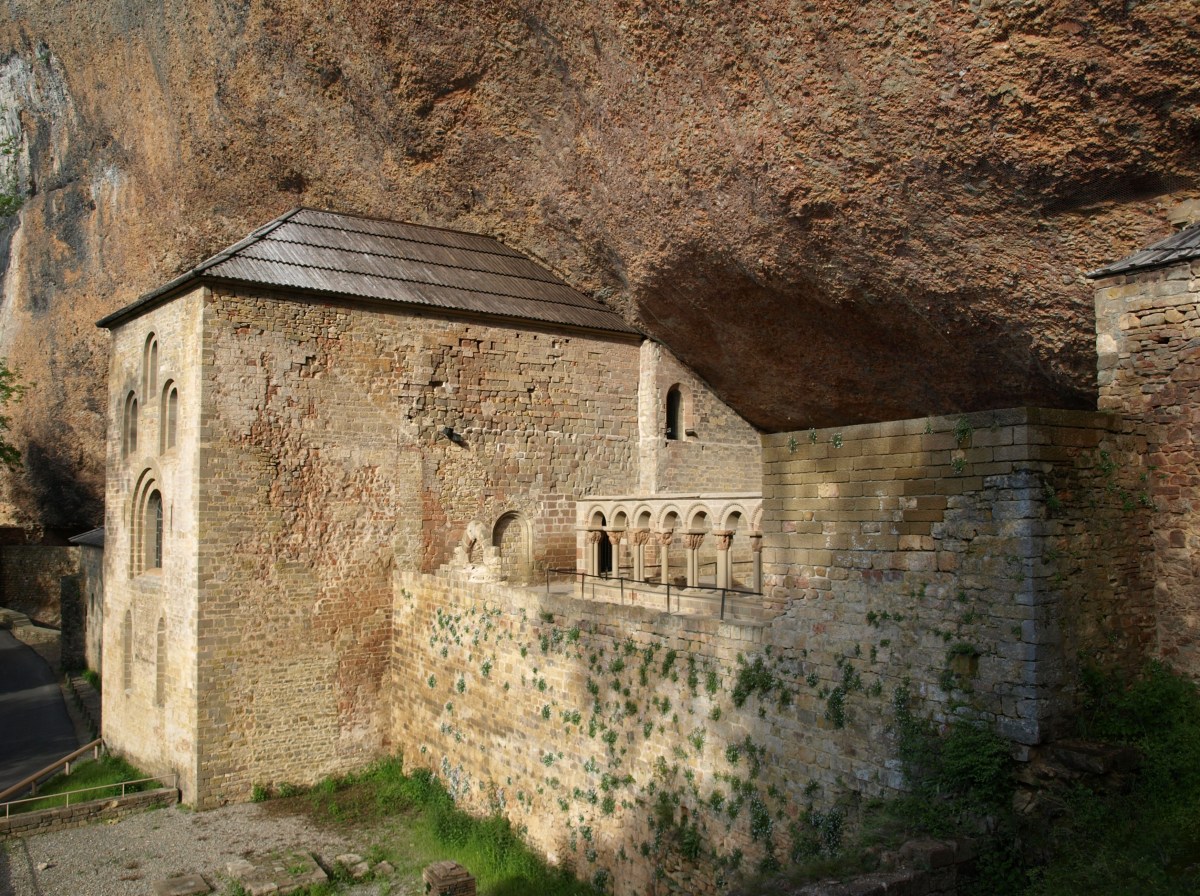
{"x":641,"y":536}
{"x":666,"y":537}
{"x":594,"y":536}
{"x":693,"y":540}
{"x":723,"y":538}
{"x":756,"y":542}
{"x":614,"y":538}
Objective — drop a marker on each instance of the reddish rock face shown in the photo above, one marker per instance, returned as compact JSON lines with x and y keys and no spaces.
{"x":836,"y":212}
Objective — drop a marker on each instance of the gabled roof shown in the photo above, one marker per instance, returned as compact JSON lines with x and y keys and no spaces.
{"x":1181,"y":246}
{"x":330,"y":254}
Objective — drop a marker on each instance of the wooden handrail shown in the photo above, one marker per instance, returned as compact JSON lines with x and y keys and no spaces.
{"x":66,"y":761}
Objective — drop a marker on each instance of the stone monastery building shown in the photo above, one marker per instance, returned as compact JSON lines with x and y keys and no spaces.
{"x":376,"y":488}
{"x":332,"y":399}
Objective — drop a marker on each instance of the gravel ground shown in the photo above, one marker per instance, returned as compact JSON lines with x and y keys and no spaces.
{"x":127,"y":858}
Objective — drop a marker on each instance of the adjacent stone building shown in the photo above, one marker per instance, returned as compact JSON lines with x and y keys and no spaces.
{"x":1148,"y":343}
{"x":329,"y":400}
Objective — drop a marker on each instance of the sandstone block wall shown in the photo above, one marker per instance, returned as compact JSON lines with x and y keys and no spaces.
{"x":324,"y":465}
{"x":982,"y":557}
{"x":717,"y":451}
{"x":969,"y":563}
{"x":1147,"y":325}
{"x":30,"y":576}
{"x":149,"y":616}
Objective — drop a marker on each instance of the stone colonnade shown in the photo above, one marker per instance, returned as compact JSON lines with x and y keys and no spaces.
{"x":605,"y":528}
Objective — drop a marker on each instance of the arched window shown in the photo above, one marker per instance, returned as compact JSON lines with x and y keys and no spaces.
{"x":160,"y":662}
{"x":169,"y":416}
{"x":674,"y":413}
{"x":146,"y":533}
{"x":154,"y":530}
{"x":129,"y":425}
{"x":150,"y":367}
{"x":127,"y":651}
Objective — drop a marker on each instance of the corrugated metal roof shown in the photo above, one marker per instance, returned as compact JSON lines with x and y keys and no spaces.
{"x":1181,"y":246}
{"x":336,"y":254}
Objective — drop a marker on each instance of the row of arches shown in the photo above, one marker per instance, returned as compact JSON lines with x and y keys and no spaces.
{"x":695,"y":557}
{"x":696,"y":515}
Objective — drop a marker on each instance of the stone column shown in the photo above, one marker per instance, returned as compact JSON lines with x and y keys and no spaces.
{"x":693,"y":540}
{"x":614,"y":538}
{"x":723,"y":539}
{"x":592,"y":556}
{"x":756,"y":554}
{"x":640,"y":537}
{"x":664,"y":543}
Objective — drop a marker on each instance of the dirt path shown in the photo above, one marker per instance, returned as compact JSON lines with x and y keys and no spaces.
{"x":130,"y":856}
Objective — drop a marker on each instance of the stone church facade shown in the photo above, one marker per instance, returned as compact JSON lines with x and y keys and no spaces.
{"x":330,"y":400}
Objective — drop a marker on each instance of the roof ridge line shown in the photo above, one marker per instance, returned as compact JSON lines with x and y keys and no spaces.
{"x":247,"y":241}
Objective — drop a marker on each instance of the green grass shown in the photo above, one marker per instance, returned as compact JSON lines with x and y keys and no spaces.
{"x":1139,"y":840}
{"x":1145,"y":842}
{"x":425,"y":826}
{"x":103,"y":773}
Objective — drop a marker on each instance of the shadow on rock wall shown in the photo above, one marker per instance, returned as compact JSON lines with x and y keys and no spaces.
{"x":52,"y":485}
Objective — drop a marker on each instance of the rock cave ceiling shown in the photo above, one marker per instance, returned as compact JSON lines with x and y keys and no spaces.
{"x":835,"y":212}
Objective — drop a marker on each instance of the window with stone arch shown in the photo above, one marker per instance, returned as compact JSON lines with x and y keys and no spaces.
{"x":678,"y":413}
{"x":168,"y":417}
{"x":127,"y":652}
{"x":150,"y":367}
{"x":510,"y":536}
{"x":129,"y":426}
{"x":146,"y":534}
{"x":160,"y":662}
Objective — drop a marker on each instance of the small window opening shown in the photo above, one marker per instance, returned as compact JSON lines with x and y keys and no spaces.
{"x":129,"y":426}
{"x":150,"y":367}
{"x":169,"y":416}
{"x":674,"y":413}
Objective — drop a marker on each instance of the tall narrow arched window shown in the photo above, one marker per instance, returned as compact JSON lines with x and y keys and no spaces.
{"x":150,"y":367}
{"x":674,"y":413}
{"x":154,"y":530}
{"x":127,"y":652}
{"x":168,"y":417}
{"x":160,"y":662}
{"x":129,"y":425}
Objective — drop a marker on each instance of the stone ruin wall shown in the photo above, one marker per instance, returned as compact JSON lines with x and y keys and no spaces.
{"x":324,"y":467}
{"x":973,"y":562}
{"x":1147,"y":324}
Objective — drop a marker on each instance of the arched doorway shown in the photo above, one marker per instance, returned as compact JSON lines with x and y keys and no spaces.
{"x":510,"y":537}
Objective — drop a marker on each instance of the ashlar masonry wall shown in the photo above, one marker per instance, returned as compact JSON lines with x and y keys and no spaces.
{"x":324,"y":465}
{"x":149,"y":618}
{"x":981,"y":558}
{"x":965,"y":565}
{"x":1148,"y":342}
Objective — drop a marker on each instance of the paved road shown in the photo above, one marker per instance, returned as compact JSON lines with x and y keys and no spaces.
{"x":34,"y":726}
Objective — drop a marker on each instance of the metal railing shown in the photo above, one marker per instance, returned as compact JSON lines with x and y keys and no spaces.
{"x":638,"y":586}
{"x":54,"y":768}
{"x":124,"y":785}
